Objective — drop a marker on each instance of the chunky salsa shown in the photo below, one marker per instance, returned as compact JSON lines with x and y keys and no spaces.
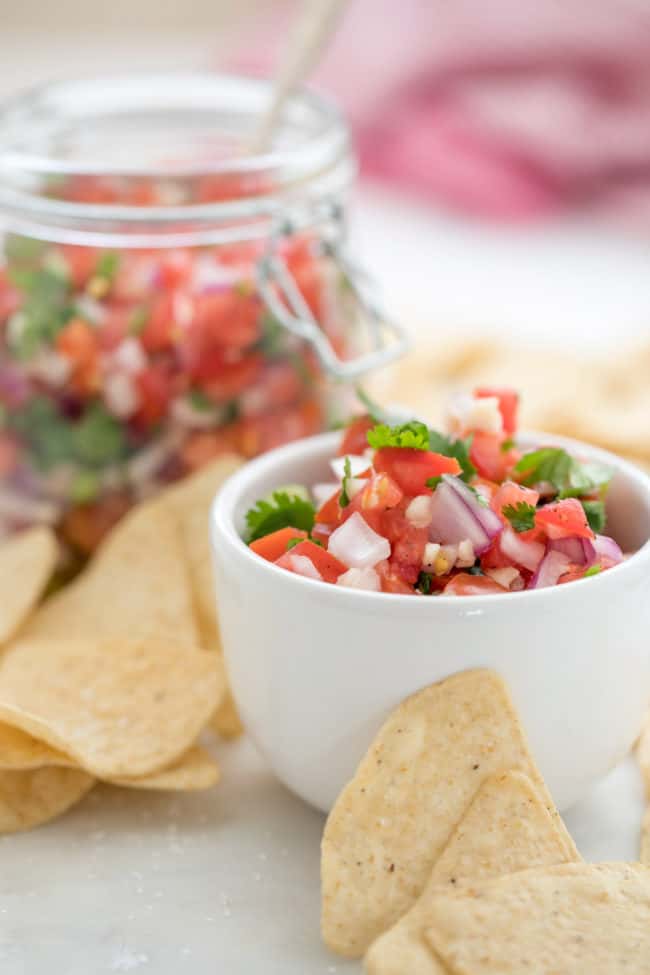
{"x":123,"y":369}
{"x":414,"y":511}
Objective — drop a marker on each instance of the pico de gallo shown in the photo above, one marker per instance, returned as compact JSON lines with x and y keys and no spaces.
{"x":121,"y":370}
{"x":414,"y":511}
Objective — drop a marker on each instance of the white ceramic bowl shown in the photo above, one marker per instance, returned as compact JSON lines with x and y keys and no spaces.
{"x":316,"y":668}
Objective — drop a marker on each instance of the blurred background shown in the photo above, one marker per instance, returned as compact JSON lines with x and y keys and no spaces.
{"x":504,"y":195}
{"x":505,"y":154}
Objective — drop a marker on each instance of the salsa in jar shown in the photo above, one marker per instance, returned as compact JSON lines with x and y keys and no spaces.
{"x":164,"y":295}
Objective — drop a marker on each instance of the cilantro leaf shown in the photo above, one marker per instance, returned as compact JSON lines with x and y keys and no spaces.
{"x":107,"y":266}
{"x":459,"y":449}
{"x":44,"y":310}
{"x":98,"y":439}
{"x":413,"y":434}
{"x":424,"y":583}
{"x":521,"y":516}
{"x":507,"y":445}
{"x":283,"y":511}
{"x":595,"y":512}
{"x":344,"y":497}
{"x":433,"y":482}
{"x":593,"y":570}
{"x":568,"y":476}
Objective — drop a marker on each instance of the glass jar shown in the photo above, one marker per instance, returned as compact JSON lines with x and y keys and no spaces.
{"x":166,"y":294}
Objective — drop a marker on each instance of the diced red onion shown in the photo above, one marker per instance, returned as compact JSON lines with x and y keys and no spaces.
{"x":607,"y":548}
{"x":525,"y":553}
{"x":580,"y":551}
{"x":358,"y":464}
{"x":458,"y":515}
{"x":357,"y":545}
{"x":323,"y":491}
{"x":553,"y":565}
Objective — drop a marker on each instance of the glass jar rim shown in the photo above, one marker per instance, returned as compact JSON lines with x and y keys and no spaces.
{"x":56,"y":130}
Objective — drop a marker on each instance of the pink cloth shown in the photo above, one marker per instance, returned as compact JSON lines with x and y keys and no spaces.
{"x":511,"y":110}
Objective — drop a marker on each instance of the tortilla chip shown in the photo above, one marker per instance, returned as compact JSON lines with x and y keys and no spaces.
{"x":26,"y":564}
{"x":643,"y":753}
{"x":118,"y":708}
{"x":645,"y":839}
{"x":508,"y":827}
{"x":136,"y":587}
{"x":391,"y":823}
{"x":21,"y":752}
{"x":573,"y":919}
{"x":194,"y":770}
{"x":191,"y":500}
{"x":28,"y":799}
{"x":226,"y":721}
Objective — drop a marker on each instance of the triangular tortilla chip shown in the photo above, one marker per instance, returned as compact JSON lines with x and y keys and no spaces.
{"x":191,"y":501}
{"x":577,"y":919}
{"x":194,"y":770}
{"x":28,"y":799}
{"x":117,"y":707}
{"x":391,"y":823}
{"x":137,"y":586}
{"x":21,"y":752}
{"x":508,"y":827}
{"x":26,"y":563}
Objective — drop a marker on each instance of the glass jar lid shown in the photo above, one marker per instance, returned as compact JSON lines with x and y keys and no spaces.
{"x":191,"y":133}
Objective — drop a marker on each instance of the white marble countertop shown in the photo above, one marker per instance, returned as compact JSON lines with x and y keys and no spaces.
{"x":219,"y":883}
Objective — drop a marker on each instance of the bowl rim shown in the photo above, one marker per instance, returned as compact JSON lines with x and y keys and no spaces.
{"x":223,"y":529}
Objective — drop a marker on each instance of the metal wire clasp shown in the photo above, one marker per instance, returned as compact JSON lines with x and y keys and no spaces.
{"x":279,"y":290}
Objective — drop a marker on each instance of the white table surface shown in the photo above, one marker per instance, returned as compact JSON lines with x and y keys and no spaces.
{"x":226,"y":883}
{"x":220,"y":883}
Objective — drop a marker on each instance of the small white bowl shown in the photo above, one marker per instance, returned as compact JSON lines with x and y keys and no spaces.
{"x":316,"y":668}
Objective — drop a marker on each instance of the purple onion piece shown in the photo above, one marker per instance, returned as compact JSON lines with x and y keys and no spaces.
{"x":553,"y":565}
{"x":457,"y":515}
{"x":607,"y":548}
{"x":580,"y":551}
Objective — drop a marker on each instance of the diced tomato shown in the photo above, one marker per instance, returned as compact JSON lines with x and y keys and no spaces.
{"x":330,"y":512}
{"x":223,"y":380}
{"x":327,"y":564}
{"x":256,"y":434}
{"x":564,"y":519}
{"x":465,"y":584}
{"x":306,"y":270}
{"x":380,"y":494}
{"x":202,"y":447}
{"x":508,"y":404}
{"x":511,"y":494}
{"x":407,"y":553}
{"x":411,"y":468}
{"x":161,"y":330}
{"x":155,"y":388}
{"x":77,"y":342}
{"x":272,"y":546}
{"x":489,"y":458}
{"x":278,"y":385}
{"x":9,"y":453}
{"x":355,"y":437}
{"x":10,"y":298}
{"x":391,"y":579}
{"x":175,"y":269}
{"x":227,"y":319}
